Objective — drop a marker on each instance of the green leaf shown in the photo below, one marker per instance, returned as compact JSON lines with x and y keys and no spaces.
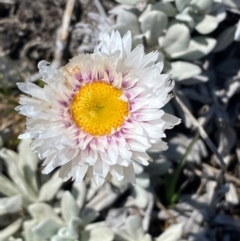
{"x":177,"y":39}
{"x":152,"y":26}
{"x":171,"y":182}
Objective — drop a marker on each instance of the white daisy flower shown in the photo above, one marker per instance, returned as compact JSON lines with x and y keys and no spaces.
{"x":99,"y":113}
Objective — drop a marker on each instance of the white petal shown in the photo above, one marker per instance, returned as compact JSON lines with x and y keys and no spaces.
{"x":78,"y":172}
{"x":117,"y":172}
{"x":171,"y":121}
{"x":129,"y":174}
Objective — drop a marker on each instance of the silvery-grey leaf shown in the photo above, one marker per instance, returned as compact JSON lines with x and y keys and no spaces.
{"x":193,"y":226}
{"x":158,"y":167}
{"x":176,"y":39}
{"x":195,"y":95}
{"x":92,"y":190}
{"x":152,"y":25}
{"x":101,"y":233}
{"x":227,"y":139}
{"x":68,"y":206}
{"x":14,"y":239}
{"x":28,"y":225}
{"x":137,"y":39}
{"x":166,"y":8}
{"x":232,"y":196}
{"x":202,"y":5}
{"x":227,"y":221}
{"x":129,"y":2}
{"x":237,"y":33}
{"x":138,"y":198}
{"x":145,"y":12}
{"x":181,"y":70}
{"x":28,"y":162}
{"x":74,"y":227}
{"x":232,"y":87}
{"x":197,"y":79}
{"x":205,"y":24}
{"x":11,"y":229}
{"x":198,"y":47}
{"x":103,"y":199}
{"x":143,"y":180}
{"x":50,"y":188}
{"x":228,"y":68}
{"x":46,"y":228}
{"x":89,"y":217}
{"x":134,"y":227}
{"x":210,"y":190}
{"x":11,"y":159}
{"x":10,"y":204}
{"x":225,"y":39}
{"x":187,"y":19}
{"x":116,"y":217}
{"x":41,"y":211}
{"x":181,"y":4}
{"x":178,"y":146}
{"x":218,"y":11}
{"x":173,"y":233}
{"x":7,"y":187}
{"x":231,"y":3}
{"x":79,"y":192}
{"x":128,"y":18}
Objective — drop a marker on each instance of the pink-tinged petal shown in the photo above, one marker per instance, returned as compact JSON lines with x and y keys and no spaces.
{"x":134,"y":92}
{"x":62,"y":142}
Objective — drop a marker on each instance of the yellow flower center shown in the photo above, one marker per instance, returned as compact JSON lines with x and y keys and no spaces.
{"x":97,"y":108}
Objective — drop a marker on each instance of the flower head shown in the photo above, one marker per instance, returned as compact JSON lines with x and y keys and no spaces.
{"x":99,"y":113}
